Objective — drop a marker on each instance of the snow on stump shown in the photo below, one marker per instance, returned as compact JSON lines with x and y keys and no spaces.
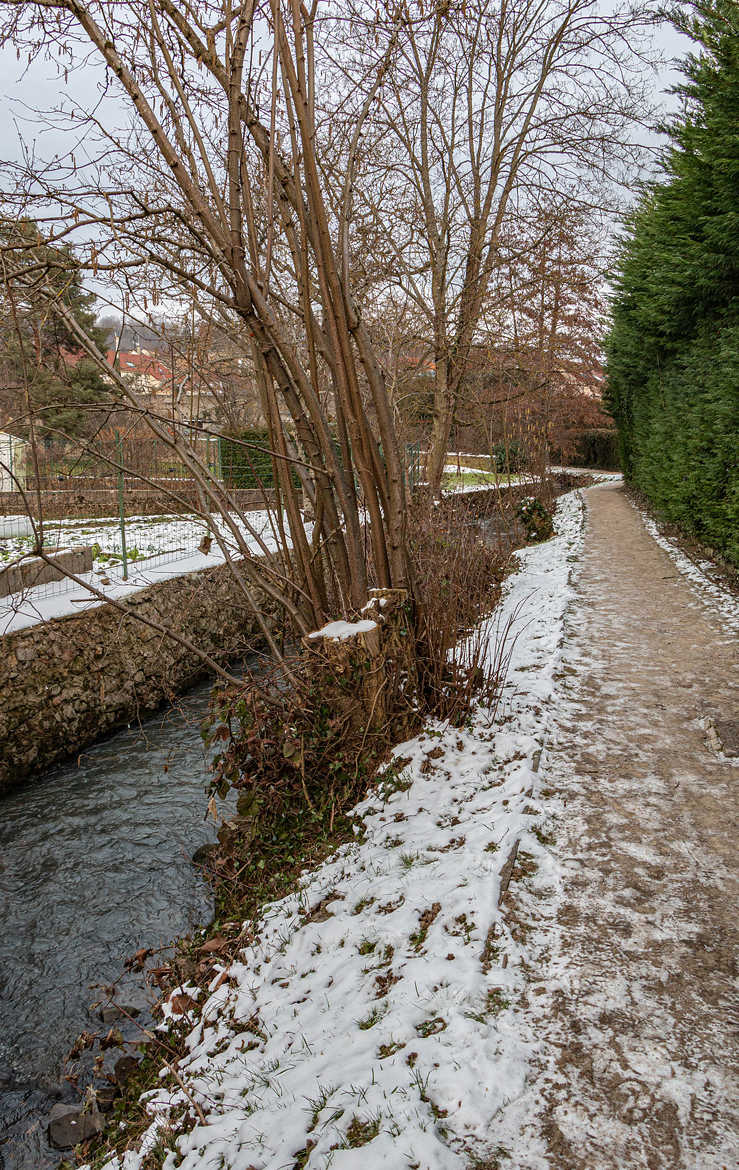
{"x":371,"y":660}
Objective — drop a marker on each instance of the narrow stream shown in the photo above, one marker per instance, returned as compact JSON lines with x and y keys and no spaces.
{"x":95,"y":862}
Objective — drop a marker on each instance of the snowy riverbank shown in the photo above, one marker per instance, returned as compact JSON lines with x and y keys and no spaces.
{"x":372,"y":1021}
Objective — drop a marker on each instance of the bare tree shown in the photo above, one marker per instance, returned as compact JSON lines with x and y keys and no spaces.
{"x":536,"y":375}
{"x":489,"y":113}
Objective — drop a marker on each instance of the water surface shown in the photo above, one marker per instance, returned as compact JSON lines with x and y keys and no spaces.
{"x":95,"y":862}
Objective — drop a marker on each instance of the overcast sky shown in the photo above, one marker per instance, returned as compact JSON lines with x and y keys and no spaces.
{"x":25,"y":88}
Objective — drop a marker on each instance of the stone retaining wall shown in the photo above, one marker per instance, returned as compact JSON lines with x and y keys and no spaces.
{"x":67,"y":682}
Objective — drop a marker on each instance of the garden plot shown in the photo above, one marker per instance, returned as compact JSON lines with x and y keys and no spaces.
{"x":159,"y":548}
{"x":372,"y":1020}
{"x":146,"y":536}
{"x":472,"y":477}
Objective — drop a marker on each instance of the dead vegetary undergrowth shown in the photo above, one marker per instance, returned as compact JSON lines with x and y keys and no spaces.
{"x":301,"y":750}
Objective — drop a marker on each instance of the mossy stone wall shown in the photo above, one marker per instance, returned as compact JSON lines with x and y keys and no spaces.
{"x":67,"y":682}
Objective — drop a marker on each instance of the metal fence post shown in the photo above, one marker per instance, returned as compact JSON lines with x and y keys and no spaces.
{"x":121,"y":507}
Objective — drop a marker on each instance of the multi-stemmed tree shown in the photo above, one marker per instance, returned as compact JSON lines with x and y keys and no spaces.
{"x":282,"y":167}
{"x":215,"y":190}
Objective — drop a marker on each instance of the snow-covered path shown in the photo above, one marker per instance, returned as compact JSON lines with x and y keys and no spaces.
{"x":633,"y":946}
{"x":409,"y":1009}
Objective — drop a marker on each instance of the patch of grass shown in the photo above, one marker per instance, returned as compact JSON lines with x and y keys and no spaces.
{"x":491,"y":950}
{"x":369,"y":1021}
{"x":463,"y":927}
{"x":451,"y":479}
{"x":497,"y":1001}
{"x":394,"y":781}
{"x":389,"y":907}
{"x":302,"y":1156}
{"x":383,"y":983}
{"x":361,"y":1133}
{"x":490,"y":1161}
{"x":408,"y":859}
{"x":367,"y":946}
{"x":319,"y":1103}
{"x":437,"y":1112}
{"x":362,"y":904}
{"x":431,"y":1027}
{"x":418,"y":938}
{"x":542,"y":836}
{"x":390,"y":1049}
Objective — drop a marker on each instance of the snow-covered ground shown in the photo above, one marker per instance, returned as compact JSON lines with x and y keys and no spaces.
{"x":166,"y":548}
{"x":145,"y":535}
{"x":372,"y":1023}
{"x":472,"y":479}
{"x":701,"y":575}
{"x":482,"y":472}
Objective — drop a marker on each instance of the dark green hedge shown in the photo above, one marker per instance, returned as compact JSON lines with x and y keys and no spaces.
{"x":673,"y":351}
{"x":247,"y":466}
{"x":598,"y":449}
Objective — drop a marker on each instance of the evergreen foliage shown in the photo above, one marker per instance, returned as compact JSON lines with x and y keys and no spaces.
{"x":509,"y":458}
{"x":246,"y":461}
{"x":597,"y":448}
{"x":673,"y":351}
{"x":536,"y":519}
{"x":42,"y":364}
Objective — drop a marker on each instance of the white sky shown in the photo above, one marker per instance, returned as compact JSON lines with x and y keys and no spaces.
{"x":25,"y":88}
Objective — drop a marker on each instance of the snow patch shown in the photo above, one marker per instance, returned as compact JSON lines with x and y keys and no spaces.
{"x":699,"y":574}
{"x":167,"y":539}
{"x":340,"y":631}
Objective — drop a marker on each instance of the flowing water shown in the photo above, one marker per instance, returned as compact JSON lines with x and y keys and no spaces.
{"x":95,"y":862}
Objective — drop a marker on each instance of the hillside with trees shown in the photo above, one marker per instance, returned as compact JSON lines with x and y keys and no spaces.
{"x":673,"y":352}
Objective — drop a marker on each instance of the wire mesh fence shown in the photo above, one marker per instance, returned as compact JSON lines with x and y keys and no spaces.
{"x":108,"y":511}
{"x":116,"y":509}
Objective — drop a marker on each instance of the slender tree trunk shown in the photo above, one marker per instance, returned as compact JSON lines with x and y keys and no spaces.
{"x":441,"y":427}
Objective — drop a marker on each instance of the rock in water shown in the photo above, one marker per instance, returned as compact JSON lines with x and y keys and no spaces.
{"x":204,"y":853}
{"x":68,"y":1125}
{"x":110,"y":1012}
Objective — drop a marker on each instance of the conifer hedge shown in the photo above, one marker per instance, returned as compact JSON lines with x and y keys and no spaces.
{"x":246,"y":462}
{"x":673,"y":350}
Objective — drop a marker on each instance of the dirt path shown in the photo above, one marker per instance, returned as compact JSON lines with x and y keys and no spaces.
{"x":630,"y":1007}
